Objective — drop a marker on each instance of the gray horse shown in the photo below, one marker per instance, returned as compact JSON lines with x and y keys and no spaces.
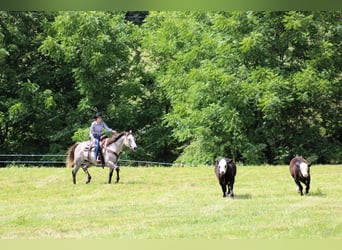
{"x":81,"y":154}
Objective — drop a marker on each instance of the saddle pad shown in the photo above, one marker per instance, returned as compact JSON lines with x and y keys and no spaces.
{"x":89,"y":147}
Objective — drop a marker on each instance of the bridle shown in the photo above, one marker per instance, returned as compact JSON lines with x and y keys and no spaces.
{"x":116,"y":153}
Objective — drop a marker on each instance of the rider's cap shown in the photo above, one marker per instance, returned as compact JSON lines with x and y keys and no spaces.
{"x":98,"y":114}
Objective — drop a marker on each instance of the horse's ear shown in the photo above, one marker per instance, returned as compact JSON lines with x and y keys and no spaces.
{"x":309,"y":164}
{"x":130,"y":132}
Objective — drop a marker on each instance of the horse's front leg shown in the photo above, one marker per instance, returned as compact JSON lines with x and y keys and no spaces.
{"x":113,"y":166}
{"x":117,"y":174}
{"x":307,"y":183}
{"x":224,"y":189}
{"x":110,"y":175}
{"x":299,"y":187}
{"x":230,"y":189}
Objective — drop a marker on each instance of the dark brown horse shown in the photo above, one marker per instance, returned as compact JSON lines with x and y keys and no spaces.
{"x":300,"y":171}
{"x":225,"y":170}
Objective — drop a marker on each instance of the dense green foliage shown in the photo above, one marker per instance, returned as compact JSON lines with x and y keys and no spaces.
{"x":259,"y":87}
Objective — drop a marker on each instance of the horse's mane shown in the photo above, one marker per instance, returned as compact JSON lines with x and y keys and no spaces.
{"x":114,"y":138}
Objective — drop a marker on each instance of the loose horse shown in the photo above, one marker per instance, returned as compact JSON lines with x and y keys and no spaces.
{"x":81,"y":154}
{"x":225,"y":170}
{"x":300,"y":171}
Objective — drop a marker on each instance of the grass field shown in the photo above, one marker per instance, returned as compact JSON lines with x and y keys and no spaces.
{"x":169,"y":203}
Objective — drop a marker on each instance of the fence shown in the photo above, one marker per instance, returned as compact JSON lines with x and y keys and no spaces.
{"x":58,"y":160}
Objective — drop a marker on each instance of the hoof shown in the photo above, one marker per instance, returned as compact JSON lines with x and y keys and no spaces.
{"x":89,"y":179}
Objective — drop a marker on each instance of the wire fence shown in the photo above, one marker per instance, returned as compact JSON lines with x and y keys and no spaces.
{"x":58,"y":160}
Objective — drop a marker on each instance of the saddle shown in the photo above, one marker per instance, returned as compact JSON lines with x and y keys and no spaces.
{"x":90,"y":146}
{"x":101,"y":143}
{"x":102,"y":140}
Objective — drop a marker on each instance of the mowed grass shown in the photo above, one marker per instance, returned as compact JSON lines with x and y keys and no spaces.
{"x":169,"y":203}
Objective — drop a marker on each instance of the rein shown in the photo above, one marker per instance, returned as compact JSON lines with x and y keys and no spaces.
{"x":108,"y":142}
{"x":113,"y":152}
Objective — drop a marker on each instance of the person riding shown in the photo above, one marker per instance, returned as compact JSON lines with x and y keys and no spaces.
{"x":95,"y":132}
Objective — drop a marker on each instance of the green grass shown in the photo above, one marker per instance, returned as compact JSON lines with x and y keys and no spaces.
{"x":169,"y":203}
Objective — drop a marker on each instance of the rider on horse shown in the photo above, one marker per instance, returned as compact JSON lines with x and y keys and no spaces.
{"x":96,"y":131}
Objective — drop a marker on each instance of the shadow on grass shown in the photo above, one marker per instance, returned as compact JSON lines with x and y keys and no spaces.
{"x":243,"y":197}
{"x":317,"y":193}
{"x":132,"y":182}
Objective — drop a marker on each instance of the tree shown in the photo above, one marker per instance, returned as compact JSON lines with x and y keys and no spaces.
{"x":250,"y":85}
{"x":103,"y":53}
{"x":28,"y":103}
{"x":254,"y":86}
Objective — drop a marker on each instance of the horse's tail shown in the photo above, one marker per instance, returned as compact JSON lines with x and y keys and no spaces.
{"x":69,"y":162}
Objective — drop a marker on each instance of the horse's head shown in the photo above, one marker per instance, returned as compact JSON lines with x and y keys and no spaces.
{"x":130,"y":141}
{"x":303,"y":168}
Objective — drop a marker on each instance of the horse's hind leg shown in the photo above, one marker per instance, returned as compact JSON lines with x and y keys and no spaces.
{"x":88,"y":176}
{"x":85,"y":169}
{"x":74,"y":172}
{"x":73,"y":176}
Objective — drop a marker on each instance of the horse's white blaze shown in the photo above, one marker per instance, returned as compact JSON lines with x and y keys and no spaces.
{"x":304,"y":169}
{"x":222,"y":166}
